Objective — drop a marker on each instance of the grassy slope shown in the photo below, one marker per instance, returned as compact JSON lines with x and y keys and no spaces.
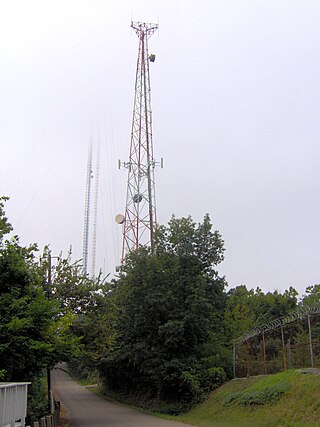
{"x":299,"y":406}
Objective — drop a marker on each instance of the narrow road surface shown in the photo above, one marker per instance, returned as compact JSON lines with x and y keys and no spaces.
{"x":85,"y":409}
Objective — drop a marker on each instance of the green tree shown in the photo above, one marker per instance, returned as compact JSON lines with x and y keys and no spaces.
{"x":87,"y":303}
{"x":312,"y":295}
{"x":246,"y":309}
{"x":5,"y":226}
{"x":170,"y":309}
{"x":33,"y":335}
{"x":239,"y":316}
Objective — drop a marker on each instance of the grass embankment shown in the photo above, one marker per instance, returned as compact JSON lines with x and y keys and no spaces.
{"x":287,"y":399}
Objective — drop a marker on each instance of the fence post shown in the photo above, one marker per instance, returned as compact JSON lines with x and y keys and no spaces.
{"x":264,"y":354}
{"x":290,"y":353}
{"x":57,"y":412}
{"x":248,"y":359}
{"x":43,"y":422}
{"x":234,"y":359}
{"x":310,"y":342}
{"x":49,"y":420}
{"x":283,"y":351}
{"x":36,"y":424}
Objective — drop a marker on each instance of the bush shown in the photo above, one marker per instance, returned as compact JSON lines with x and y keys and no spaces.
{"x":212,"y":378}
{"x":265,"y":396}
{"x":37,"y":399}
{"x":192,"y":385}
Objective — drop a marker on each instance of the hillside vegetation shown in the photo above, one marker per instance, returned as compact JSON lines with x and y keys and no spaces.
{"x":286,"y":399}
{"x":159,"y":334}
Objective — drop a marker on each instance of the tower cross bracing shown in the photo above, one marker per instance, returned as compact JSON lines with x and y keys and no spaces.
{"x":140,"y":211}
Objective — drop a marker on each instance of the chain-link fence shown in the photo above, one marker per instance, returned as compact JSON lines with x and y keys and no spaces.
{"x":292,"y":341}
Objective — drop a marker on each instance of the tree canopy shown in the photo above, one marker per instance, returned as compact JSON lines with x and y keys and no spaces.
{"x":34,"y":333}
{"x":167,"y":310}
{"x":163,"y":329}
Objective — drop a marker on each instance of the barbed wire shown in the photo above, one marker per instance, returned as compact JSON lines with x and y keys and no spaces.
{"x":298,"y":314}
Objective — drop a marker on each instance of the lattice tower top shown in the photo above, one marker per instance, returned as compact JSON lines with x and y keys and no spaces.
{"x":142,"y":28}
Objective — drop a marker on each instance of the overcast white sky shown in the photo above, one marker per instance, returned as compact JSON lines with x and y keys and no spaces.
{"x":236,"y":114}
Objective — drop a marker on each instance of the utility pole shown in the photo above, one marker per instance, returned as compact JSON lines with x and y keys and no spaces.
{"x":140,"y":218}
{"x":47,"y":289}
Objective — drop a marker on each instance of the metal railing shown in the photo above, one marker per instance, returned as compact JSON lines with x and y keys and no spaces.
{"x":13,"y":404}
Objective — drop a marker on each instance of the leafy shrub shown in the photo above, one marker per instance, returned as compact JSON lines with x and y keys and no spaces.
{"x":267,"y":395}
{"x":214,"y":377}
{"x":37,"y":399}
{"x":195,"y":385}
{"x":191,"y":386}
{"x":231,"y":398}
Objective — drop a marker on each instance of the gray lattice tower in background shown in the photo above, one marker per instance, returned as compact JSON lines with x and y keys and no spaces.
{"x":140,"y":212}
{"x":95,"y":214}
{"x":87,"y":212}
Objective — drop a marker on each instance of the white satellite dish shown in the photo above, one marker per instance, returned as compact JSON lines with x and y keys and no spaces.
{"x":119,"y":219}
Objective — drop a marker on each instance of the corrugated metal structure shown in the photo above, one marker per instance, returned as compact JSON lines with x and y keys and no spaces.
{"x":13,"y":404}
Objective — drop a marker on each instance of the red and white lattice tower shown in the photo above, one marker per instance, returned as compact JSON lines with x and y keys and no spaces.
{"x":140,"y":218}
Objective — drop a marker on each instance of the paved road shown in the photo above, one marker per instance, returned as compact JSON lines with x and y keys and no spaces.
{"x":85,"y":409}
